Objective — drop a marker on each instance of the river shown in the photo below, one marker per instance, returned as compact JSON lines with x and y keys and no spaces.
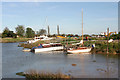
{"x":87,"y":65}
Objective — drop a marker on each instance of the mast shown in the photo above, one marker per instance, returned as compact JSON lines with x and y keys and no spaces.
{"x":82,"y":26}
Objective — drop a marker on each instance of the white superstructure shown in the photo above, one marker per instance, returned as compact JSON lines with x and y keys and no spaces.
{"x":39,"y":38}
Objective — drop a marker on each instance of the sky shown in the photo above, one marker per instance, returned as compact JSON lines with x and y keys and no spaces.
{"x":97,"y":16}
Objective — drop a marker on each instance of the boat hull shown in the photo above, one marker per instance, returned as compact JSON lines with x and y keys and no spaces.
{"x":37,"y":50}
{"x":79,"y":51}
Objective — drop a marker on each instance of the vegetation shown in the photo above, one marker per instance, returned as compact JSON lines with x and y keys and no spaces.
{"x":8,"y":33}
{"x":30,"y":33}
{"x":42,"y":75}
{"x":20,"y":30}
{"x":42,"y":32}
{"x":115,"y":36}
{"x":101,"y":46}
{"x":11,"y":40}
{"x":31,"y":45}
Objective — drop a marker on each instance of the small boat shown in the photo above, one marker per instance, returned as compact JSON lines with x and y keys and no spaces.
{"x":79,"y":49}
{"x":26,"y":50}
{"x":48,"y":47}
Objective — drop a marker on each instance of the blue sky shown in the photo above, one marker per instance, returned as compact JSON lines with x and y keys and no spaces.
{"x":97,"y":16}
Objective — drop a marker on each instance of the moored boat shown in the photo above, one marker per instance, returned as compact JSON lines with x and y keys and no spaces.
{"x":48,"y":47}
{"x":26,"y":50}
{"x":42,"y":38}
{"x":79,"y":50}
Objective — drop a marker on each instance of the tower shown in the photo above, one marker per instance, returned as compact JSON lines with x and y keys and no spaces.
{"x":58,"y":30}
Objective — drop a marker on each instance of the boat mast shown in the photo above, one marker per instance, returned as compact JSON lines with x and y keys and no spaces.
{"x":82,"y":26}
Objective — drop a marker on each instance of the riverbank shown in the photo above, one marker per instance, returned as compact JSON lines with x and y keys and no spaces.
{"x":12,"y":40}
{"x":100,"y":45}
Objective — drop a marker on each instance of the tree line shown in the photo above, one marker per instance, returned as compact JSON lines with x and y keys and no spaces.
{"x":30,"y":33}
{"x":22,"y":32}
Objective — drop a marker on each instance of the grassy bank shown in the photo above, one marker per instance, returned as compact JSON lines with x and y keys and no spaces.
{"x":100,"y":45}
{"x":42,"y":75}
{"x":12,"y":40}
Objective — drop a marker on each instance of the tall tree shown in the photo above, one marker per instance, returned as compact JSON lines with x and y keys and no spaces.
{"x":30,"y":33}
{"x":42,"y":32}
{"x":20,"y":30}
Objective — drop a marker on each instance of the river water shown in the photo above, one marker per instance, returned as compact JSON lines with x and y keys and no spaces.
{"x":87,"y":65}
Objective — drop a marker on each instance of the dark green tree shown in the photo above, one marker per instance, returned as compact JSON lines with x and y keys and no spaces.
{"x":8,"y":33}
{"x":5,"y":32}
{"x":30,"y":33}
{"x":11,"y":34}
{"x":20,"y":30}
{"x":42,"y":32}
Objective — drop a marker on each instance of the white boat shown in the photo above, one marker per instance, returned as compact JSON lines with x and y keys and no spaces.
{"x":26,"y":50}
{"x":37,"y":50}
{"x":49,"y":47}
{"x":79,"y":49}
{"x":39,"y":38}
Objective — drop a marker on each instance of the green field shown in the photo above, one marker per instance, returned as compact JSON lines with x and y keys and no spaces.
{"x":12,"y":40}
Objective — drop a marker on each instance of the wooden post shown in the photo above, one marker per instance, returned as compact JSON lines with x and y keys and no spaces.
{"x":107,"y":39}
{"x":107,"y":52}
{"x":82,"y":26}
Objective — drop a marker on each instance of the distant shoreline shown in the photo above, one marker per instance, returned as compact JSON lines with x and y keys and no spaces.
{"x":13,"y":40}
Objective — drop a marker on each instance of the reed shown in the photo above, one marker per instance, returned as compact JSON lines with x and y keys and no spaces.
{"x":43,"y":75}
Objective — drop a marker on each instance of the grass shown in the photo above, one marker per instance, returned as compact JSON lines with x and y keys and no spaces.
{"x":12,"y":40}
{"x":100,"y":46}
{"x":43,"y":75}
{"x":31,"y":45}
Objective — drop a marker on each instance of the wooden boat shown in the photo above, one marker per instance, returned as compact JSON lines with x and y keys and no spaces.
{"x":49,"y":47}
{"x":80,"y":49}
